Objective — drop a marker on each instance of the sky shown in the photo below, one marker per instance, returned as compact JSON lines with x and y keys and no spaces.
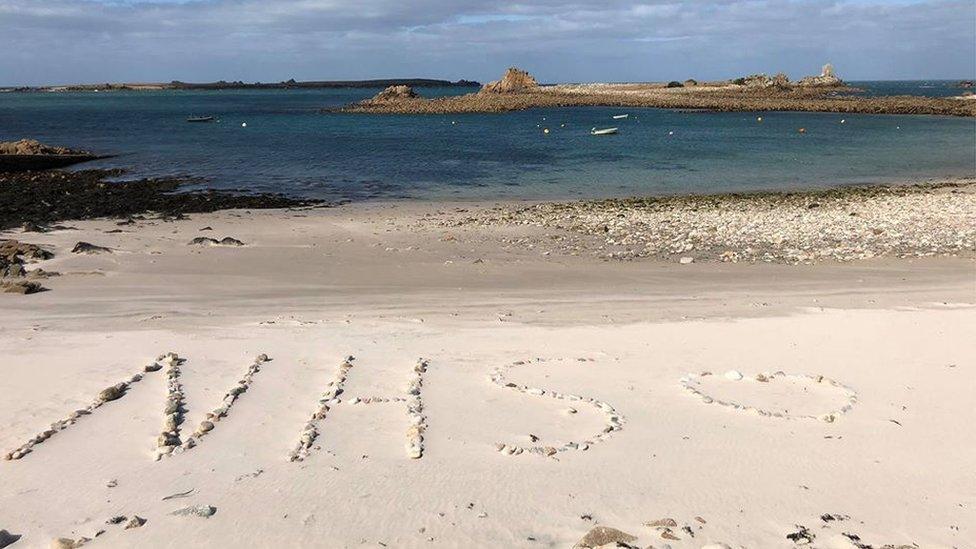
{"x":93,"y":41}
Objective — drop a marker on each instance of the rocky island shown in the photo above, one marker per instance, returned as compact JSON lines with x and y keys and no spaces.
{"x":30,"y":154}
{"x":518,"y":90}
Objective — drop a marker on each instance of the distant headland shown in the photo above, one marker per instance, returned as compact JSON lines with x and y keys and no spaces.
{"x":240,"y":85}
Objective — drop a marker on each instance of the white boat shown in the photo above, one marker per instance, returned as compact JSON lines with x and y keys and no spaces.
{"x":620,"y":116}
{"x":605,"y":131}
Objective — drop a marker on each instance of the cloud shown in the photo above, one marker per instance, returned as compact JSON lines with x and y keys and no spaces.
{"x":47,"y":41}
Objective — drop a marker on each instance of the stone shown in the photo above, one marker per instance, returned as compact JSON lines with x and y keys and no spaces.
{"x":686,"y":260}
{"x":662,"y":523}
{"x":603,"y":535}
{"x":15,"y":270}
{"x":206,"y":426}
{"x":22,"y":287}
{"x":15,"y":251}
{"x":802,"y":535}
{"x":718,"y":545}
{"x":203,"y":241}
{"x":114,"y":392}
{"x":116,"y":520}
{"x":6,"y":538}
{"x":204,"y":511}
{"x":228,"y":241}
{"x":66,"y":543}
{"x":135,"y":522}
{"x":733,"y":375}
{"x":90,"y":249}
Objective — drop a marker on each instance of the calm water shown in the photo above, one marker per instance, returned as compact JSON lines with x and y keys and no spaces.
{"x":289,"y":146}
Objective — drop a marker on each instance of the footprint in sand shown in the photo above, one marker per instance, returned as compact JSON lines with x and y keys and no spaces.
{"x":614,"y":419}
{"x":777,"y":395}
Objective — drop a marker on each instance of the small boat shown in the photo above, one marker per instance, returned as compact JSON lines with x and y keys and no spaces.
{"x":200,"y":119}
{"x":620,"y":116}
{"x":605,"y":131}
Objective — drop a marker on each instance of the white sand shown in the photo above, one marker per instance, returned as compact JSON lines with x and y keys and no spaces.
{"x":314,"y":287}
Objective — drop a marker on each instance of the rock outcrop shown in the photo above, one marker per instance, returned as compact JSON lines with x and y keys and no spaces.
{"x":515,"y":80}
{"x":32,"y":146}
{"x":29,"y":154}
{"x":396,"y":93}
{"x":827,"y":78}
{"x":780,"y":81}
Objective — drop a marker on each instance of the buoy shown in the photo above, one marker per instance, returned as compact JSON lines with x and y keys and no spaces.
{"x":562,"y":125}
{"x":545,"y":131}
{"x":670,"y":133}
{"x":759,"y":119}
{"x":802,"y":130}
{"x":843,"y":121}
{"x":243,"y":124}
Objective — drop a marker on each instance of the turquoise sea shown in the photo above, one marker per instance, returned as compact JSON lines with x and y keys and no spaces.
{"x":290,"y":146}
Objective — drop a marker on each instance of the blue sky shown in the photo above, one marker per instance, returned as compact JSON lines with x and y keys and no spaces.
{"x":65,"y":41}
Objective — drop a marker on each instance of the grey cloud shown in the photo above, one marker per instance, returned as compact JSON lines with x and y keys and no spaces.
{"x":89,"y":40}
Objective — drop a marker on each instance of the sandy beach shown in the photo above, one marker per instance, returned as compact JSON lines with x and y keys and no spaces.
{"x":437,"y":377}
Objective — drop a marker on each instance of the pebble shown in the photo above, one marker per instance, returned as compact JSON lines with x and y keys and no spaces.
{"x":114,"y":392}
{"x":899,"y":221}
{"x":205,"y":511}
{"x":604,"y":535}
{"x":733,"y":375}
{"x":135,"y":522}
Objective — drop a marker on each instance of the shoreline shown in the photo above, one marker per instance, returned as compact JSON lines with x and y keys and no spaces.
{"x":41,"y":198}
{"x":839,"y":222}
{"x":135,"y":196}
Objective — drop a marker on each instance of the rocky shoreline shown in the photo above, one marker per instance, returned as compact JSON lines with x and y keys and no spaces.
{"x":842,"y":224}
{"x":29,"y":154}
{"x":518,"y":90}
{"x":37,"y":198}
